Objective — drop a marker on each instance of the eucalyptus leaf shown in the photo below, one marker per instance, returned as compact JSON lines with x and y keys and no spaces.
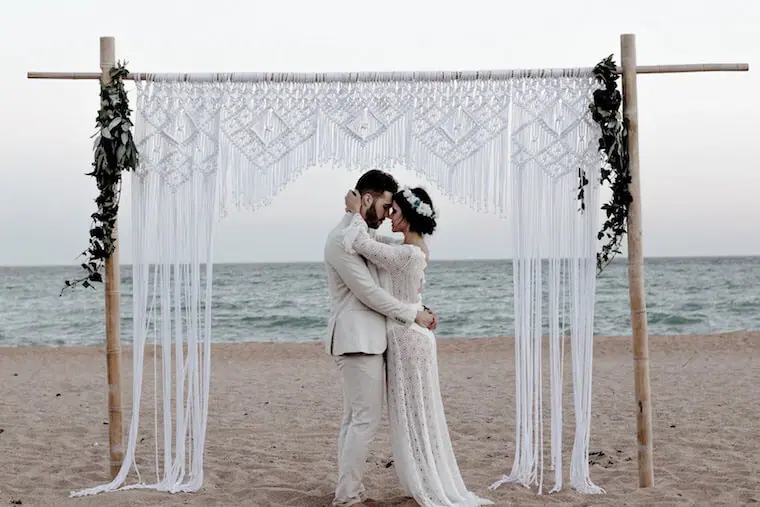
{"x":113,"y":152}
{"x":605,"y":111}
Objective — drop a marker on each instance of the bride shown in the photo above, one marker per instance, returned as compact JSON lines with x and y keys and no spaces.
{"x":422,"y":451}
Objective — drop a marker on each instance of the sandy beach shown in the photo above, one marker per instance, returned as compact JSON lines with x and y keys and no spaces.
{"x":275,"y":410}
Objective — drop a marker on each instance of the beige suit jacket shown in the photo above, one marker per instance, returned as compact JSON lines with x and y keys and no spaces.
{"x":358,"y":304}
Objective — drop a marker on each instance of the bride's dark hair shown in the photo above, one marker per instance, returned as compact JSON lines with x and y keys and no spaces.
{"x":414,"y":213}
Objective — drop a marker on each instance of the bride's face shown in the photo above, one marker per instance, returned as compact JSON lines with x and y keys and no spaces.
{"x":398,"y":224}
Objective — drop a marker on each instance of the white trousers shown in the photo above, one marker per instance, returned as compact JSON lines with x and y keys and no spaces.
{"x":363,"y":378}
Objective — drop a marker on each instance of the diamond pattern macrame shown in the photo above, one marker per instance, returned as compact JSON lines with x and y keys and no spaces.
{"x":362,"y":111}
{"x":552,"y":126}
{"x":457,"y":120}
{"x":266,"y":122}
{"x":180,"y":125}
{"x":462,"y":135}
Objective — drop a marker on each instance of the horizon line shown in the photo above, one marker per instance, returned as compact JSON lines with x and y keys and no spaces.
{"x":622,"y":258}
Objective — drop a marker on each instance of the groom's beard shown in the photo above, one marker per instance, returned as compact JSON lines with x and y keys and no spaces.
{"x":373,"y":221}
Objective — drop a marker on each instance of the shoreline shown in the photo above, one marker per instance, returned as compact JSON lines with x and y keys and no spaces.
{"x":598,"y":339}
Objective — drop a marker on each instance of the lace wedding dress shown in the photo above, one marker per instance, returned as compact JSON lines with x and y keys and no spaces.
{"x":422,"y":451}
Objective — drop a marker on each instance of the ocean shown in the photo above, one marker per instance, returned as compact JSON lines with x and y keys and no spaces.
{"x":289,"y":302}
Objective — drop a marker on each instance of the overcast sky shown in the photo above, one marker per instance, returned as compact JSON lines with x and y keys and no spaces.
{"x":698,"y":132}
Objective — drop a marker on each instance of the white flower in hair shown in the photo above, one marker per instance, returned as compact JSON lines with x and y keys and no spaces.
{"x":421,"y":208}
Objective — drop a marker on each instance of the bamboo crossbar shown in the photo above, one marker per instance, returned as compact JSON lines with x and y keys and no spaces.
{"x":351,"y":77}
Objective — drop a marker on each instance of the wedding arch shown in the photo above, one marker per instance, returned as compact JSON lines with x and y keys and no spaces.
{"x":533,"y":146}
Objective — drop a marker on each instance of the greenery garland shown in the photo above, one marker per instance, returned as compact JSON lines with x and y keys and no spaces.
{"x":605,"y":110}
{"x":115,"y":151}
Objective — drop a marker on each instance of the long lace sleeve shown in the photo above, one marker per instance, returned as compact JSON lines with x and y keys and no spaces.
{"x":388,"y":240}
{"x":391,"y":257}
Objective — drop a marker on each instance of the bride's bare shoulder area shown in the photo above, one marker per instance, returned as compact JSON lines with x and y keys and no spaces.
{"x":426,"y":251}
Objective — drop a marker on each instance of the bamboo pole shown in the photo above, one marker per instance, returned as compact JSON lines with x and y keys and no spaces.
{"x":636,"y":267}
{"x":112,"y":293}
{"x":692,"y":67}
{"x":385,"y":76}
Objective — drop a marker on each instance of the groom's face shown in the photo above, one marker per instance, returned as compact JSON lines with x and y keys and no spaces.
{"x":379,"y":209}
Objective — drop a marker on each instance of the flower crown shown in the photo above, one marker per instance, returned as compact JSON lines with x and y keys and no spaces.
{"x":421,"y":208}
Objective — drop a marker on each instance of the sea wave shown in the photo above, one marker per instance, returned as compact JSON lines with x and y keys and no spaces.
{"x":289,"y":302}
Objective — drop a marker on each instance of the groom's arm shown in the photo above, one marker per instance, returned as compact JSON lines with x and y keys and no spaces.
{"x":355,"y":274}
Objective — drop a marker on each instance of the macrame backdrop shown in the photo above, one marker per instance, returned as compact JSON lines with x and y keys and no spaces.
{"x":506,"y":145}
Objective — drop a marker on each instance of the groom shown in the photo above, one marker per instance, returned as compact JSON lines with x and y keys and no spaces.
{"x":359,"y":306}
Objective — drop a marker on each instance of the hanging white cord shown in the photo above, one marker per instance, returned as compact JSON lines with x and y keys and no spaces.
{"x":547,"y":224}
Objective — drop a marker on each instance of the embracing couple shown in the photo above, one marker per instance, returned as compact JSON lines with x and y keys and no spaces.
{"x":381,"y":336}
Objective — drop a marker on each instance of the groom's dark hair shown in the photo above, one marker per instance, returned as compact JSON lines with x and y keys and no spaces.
{"x":376,"y":182}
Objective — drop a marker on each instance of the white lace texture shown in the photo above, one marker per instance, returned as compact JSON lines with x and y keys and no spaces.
{"x":509,"y":146}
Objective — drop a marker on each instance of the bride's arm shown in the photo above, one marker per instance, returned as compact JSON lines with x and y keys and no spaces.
{"x":389,"y":240}
{"x":357,"y":239}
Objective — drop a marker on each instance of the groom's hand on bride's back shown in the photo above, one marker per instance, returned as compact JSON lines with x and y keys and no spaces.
{"x":435,"y":320}
{"x":435,"y":317}
{"x":427,"y":319}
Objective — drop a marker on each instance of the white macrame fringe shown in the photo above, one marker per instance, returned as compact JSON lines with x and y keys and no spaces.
{"x":172,"y":273}
{"x":551,"y":237}
{"x":510,"y":146}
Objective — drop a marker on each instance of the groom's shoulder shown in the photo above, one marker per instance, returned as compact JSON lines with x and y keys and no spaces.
{"x":339,"y":229}
{"x":335,"y":233}
{"x":335,"y":236}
